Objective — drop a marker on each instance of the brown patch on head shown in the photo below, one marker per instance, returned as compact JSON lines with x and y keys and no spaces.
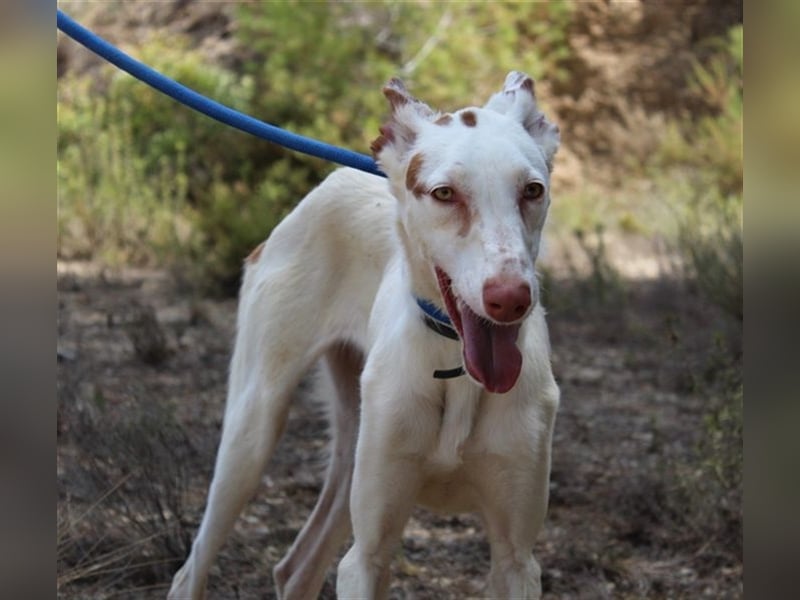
{"x":444,"y":120}
{"x":469,"y":118}
{"x":253,"y":256}
{"x":378,"y":144}
{"x":386,"y":137}
{"x":465,"y":217}
{"x":396,"y":98}
{"x":462,"y":212}
{"x":412,"y":174}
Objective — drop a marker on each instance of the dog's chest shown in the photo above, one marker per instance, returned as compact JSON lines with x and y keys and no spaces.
{"x":449,"y":482}
{"x":467,"y":429}
{"x":460,"y":407}
{"x":478,"y":432}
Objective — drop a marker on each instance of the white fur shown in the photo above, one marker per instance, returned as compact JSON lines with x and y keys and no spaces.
{"x":336,"y":280}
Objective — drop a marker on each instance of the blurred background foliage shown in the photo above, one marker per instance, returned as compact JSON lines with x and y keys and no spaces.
{"x":656,"y":154}
{"x":699,"y":166}
{"x":143,"y":180}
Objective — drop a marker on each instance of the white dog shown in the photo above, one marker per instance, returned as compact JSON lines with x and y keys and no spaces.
{"x":420,"y":293}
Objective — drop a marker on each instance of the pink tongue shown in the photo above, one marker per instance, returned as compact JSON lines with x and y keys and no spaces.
{"x":490,"y":352}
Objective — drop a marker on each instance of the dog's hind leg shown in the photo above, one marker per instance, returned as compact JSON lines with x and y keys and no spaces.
{"x":250,"y":433}
{"x":269,"y":360}
{"x":301,"y":573}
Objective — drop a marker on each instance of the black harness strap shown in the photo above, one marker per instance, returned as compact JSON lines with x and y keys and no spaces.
{"x":448,"y":373}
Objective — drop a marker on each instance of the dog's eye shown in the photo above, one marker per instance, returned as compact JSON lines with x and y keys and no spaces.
{"x":533,"y":191}
{"x":443,"y":194}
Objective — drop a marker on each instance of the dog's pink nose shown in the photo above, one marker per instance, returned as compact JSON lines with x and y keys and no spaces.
{"x":506,"y":301}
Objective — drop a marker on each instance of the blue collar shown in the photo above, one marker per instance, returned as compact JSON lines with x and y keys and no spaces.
{"x":434,"y":312}
{"x":438,"y":320}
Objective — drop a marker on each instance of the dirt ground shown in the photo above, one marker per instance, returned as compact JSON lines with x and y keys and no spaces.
{"x":141,"y":383}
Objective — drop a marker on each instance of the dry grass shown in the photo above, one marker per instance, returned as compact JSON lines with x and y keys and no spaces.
{"x":122,"y":522}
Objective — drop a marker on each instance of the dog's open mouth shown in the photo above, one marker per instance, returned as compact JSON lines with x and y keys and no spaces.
{"x":490,"y":350}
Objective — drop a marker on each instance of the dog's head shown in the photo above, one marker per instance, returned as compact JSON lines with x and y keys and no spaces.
{"x":473,"y":190}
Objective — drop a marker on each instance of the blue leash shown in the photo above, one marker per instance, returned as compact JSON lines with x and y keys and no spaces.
{"x":434,"y":317}
{"x":211,"y":108}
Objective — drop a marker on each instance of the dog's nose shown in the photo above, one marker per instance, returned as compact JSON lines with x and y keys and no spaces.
{"x":506,"y":301}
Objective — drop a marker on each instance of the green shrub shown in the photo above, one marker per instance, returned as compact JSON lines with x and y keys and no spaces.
{"x":113,"y":203}
{"x":703,"y":162}
{"x":141,"y":176}
{"x":712,"y":143}
{"x":328,"y":83}
{"x":146,"y":180}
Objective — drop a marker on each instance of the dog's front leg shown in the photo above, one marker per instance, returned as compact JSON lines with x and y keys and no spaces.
{"x":394,"y":433}
{"x":514,"y":517}
{"x":382,"y":499}
{"x":513,"y":520}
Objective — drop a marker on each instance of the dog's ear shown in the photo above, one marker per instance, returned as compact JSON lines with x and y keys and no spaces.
{"x":400,"y":131}
{"x":518,"y":100}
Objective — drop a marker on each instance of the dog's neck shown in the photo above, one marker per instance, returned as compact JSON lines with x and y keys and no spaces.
{"x":421,"y":277}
